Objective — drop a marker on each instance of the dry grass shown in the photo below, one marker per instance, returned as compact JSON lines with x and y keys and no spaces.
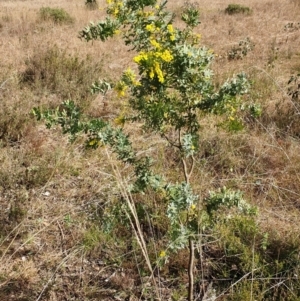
{"x":52,"y":193}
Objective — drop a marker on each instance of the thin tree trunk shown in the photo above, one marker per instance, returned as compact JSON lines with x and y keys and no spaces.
{"x":191,"y":270}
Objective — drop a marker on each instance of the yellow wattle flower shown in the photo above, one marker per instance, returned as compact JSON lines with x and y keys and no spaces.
{"x":130,"y":75}
{"x":172,"y":38}
{"x":166,"y":56}
{"x":159,"y":72}
{"x":151,"y":73}
{"x":170,"y":28}
{"x":140,"y":57}
{"x":150,"y":27}
{"x":154,"y":43}
{"x":121,"y":88}
{"x":115,"y":11}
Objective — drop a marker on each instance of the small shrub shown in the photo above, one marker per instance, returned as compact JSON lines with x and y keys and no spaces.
{"x":237,"y":52}
{"x":57,"y":15}
{"x":232,"y":9}
{"x":173,"y":72}
{"x":91,"y":4}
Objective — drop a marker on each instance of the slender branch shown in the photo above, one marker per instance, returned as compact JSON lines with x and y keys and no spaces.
{"x":192,"y":167}
{"x":187,"y":175}
{"x":191,"y":270}
{"x":178,"y":146}
{"x":185,"y":172}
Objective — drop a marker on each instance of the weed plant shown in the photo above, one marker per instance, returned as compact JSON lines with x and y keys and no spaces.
{"x":241,"y":50}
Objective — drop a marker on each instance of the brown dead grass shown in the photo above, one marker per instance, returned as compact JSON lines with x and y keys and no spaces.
{"x":50,"y":191}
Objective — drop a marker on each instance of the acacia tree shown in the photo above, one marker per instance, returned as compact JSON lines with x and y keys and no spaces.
{"x":169,"y":94}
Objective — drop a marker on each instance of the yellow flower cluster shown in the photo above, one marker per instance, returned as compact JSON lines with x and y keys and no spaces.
{"x":114,"y":6}
{"x":121,"y":88}
{"x":170,"y":28}
{"x":154,"y":43}
{"x":156,"y":70}
{"x":159,"y":72}
{"x":145,"y":13}
{"x":166,"y":56}
{"x":150,"y":27}
{"x":232,"y":112}
{"x":143,"y":56}
{"x":94,"y":142}
{"x":129,"y":76}
{"x":152,"y":60}
{"x":171,"y":32}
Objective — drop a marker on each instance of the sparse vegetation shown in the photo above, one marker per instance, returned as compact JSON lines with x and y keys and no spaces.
{"x":65,"y":231}
{"x":233,"y":9}
{"x":55,"y":72}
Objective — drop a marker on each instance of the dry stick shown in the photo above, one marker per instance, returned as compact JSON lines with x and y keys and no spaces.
{"x":2,"y":85}
{"x":136,"y":224}
{"x":201,"y":256}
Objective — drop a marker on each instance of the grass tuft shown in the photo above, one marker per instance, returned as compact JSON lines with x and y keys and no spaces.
{"x":233,"y":9}
{"x":57,"y":15}
{"x":55,"y":72}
